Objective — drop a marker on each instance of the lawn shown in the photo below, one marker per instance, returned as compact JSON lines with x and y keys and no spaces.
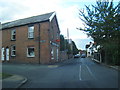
{"x":4,"y":75}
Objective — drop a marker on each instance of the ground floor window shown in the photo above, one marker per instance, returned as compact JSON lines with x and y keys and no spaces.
{"x":52,"y":53}
{"x":30,"y":52}
{"x":13,"y":50}
{"x":2,"y":54}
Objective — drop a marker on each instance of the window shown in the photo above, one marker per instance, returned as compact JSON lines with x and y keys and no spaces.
{"x":13,"y":50}
{"x":31,"y":32}
{"x":52,"y":53}
{"x":2,"y":54}
{"x":30,"y":52}
{"x":13,"y":35}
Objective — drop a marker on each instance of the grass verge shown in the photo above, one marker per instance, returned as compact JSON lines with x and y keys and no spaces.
{"x":4,"y":75}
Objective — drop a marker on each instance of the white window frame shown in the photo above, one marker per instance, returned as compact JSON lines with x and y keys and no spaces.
{"x":57,"y":54}
{"x":28,"y":52}
{"x":52,"y":53}
{"x":13,"y":33}
{"x":13,"y":50}
{"x":2,"y":54}
{"x":31,"y":32}
{"x":7,"y":54}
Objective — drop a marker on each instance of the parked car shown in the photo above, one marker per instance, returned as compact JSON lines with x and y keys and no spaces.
{"x":83,"y":56}
{"x":77,"y":56}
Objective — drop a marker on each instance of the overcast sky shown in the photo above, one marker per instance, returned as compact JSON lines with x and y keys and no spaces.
{"x":67,"y":12}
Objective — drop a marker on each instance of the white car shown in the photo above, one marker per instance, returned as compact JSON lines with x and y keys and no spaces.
{"x":77,"y":56}
{"x":83,"y":56}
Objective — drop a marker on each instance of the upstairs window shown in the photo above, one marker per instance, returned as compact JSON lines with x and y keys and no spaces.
{"x":30,"y":52}
{"x":13,"y":35}
{"x":31,"y":32}
{"x":13,"y":50}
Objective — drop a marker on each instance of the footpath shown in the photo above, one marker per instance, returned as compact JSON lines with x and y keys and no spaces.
{"x":114,"y":67}
{"x":14,"y":81}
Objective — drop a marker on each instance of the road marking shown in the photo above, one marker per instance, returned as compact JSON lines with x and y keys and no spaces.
{"x":80,"y":73}
{"x":90,"y":72}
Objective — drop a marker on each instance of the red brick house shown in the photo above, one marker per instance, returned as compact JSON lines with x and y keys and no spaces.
{"x":31,"y":40}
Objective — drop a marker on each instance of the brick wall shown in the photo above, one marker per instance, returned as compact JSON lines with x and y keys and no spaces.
{"x":54,"y":35}
{"x":63,"y":55}
{"x":48,"y":32}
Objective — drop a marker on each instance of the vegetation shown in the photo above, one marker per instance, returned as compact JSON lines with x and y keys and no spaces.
{"x":5,"y":75}
{"x":65,"y":46}
{"x":75,"y":50}
{"x":102,"y":24}
{"x":62,"y":43}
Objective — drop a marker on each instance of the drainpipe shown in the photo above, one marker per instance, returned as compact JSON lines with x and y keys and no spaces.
{"x":39,"y":43}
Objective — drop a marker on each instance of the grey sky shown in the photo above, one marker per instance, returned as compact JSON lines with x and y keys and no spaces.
{"x":67,"y":14}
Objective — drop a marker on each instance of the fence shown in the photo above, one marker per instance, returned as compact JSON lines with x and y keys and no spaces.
{"x":97,"y":57}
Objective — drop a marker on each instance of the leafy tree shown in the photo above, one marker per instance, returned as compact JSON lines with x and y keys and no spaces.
{"x":75,"y":50}
{"x":68,"y":47}
{"x":102,"y":24}
{"x":62,"y":43}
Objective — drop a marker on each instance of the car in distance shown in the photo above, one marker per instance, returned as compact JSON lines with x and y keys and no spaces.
{"x":77,"y":56}
{"x":83,"y":56}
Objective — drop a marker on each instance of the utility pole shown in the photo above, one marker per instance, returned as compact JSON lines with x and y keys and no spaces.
{"x":68,"y":36}
{"x":68,"y":33}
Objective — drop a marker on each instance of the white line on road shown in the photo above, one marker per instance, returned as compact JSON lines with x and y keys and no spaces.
{"x":80,"y":73}
{"x":90,"y":72}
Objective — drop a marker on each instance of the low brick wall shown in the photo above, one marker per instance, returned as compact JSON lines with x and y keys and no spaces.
{"x":63,"y":55}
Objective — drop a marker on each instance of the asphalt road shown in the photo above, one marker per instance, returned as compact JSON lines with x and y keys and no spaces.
{"x":73,"y":73}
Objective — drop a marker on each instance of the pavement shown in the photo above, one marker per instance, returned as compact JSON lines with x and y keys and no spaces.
{"x":14,"y":81}
{"x":110,"y":66}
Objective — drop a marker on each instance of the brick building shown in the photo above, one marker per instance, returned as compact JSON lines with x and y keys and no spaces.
{"x":31,"y":40}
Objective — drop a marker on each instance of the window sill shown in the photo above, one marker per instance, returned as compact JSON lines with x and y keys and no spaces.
{"x":13,"y":40}
{"x":30,"y":56}
{"x":30,"y":38}
{"x":13,"y":55}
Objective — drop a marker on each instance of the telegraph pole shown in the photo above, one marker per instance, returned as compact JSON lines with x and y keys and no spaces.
{"x":68,"y":35}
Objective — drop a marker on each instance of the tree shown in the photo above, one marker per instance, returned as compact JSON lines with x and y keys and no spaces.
{"x":75,"y":50}
{"x":68,"y":46}
{"x":102,"y":24}
{"x":62,"y":43}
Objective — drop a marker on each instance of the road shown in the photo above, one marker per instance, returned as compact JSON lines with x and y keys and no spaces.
{"x":73,"y":73}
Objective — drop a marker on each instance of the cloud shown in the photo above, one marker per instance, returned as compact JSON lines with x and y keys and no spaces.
{"x":80,"y":43}
{"x":67,"y":13}
{"x":17,"y":9}
{"x":8,"y":10}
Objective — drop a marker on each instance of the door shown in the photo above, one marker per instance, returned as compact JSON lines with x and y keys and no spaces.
{"x":7,"y":54}
{"x":2,"y":54}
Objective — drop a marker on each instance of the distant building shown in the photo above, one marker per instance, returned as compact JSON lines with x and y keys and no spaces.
{"x":89,"y":49}
{"x":31,"y":40}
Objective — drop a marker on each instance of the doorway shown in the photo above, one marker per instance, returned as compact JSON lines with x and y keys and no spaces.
{"x":7,"y":54}
{"x":2,"y":54}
